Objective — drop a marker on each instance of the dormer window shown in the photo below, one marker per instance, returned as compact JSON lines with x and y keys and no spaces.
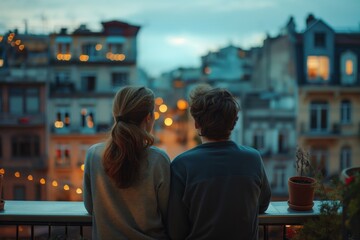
{"x":320,"y":40}
{"x":318,"y":68}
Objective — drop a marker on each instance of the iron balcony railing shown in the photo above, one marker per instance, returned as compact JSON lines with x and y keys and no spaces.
{"x":30,"y":219}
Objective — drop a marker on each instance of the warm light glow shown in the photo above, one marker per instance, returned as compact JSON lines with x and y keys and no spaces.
{"x":54,"y":183}
{"x":2,"y":171}
{"x":207,"y":70}
{"x":82,"y":167}
{"x":66,"y":187}
{"x":159,"y":101}
{"x":89,"y":122}
{"x":17,"y":42}
{"x":98,"y":47}
{"x":83,"y":111}
{"x":349,"y":67}
{"x":67,"y":120}
{"x":67,"y":57}
{"x":84,"y":58}
{"x":30,"y":178}
{"x":156,"y":115}
{"x":182,"y":104}
{"x":21,"y":47}
{"x":168,"y":122}
{"x":17,"y":174}
{"x":318,"y":67}
{"x":42,"y":181}
{"x":78,"y":191}
{"x":1,"y":62}
{"x":163,"y":108}
{"x":179,"y":84}
{"x":59,"y":124}
{"x":1,"y":38}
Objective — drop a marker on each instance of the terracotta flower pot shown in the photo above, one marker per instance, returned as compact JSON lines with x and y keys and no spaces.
{"x":301,"y":193}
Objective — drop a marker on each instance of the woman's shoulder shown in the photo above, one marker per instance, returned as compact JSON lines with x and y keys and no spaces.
{"x":97,"y":147}
{"x":158,"y":154}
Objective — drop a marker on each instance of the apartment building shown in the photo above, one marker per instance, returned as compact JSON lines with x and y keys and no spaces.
{"x":23,"y":119}
{"x":328,"y":116}
{"x":87,"y":68}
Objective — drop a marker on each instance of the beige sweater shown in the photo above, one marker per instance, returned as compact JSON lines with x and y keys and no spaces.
{"x":133,"y":213}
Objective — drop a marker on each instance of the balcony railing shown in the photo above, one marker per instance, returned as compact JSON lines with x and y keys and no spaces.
{"x":50,"y":214}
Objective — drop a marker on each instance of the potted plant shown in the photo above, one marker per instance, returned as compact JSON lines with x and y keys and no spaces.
{"x":301,"y":187}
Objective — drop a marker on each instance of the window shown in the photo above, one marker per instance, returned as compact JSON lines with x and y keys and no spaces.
{"x":116,"y":48}
{"x":120,"y":79}
{"x":319,"y":116}
{"x":82,"y":153}
{"x":62,"y":155}
{"x":24,"y":100}
{"x":88,"y":83}
{"x":87,"y":117}
{"x":345,"y":157}
{"x":62,"y":118}
{"x":318,"y":68}
{"x":345,"y":111}
{"x":258,"y":140}
{"x":63,"y":48}
{"x":278,"y":182}
{"x":19,"y":192}
{"x":320,"y":40}
{"x":319,"y":161}
{"x":348,"y":68}
{"x":62,"y":78}
{"x":25,"y":146}
{"x":89,"y":49}
{"x":282,"y":142}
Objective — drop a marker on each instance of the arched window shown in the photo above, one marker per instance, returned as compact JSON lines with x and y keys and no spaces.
{"x":348,"y":68}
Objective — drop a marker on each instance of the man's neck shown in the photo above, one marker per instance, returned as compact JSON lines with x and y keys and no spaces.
{"x":208,"y":140}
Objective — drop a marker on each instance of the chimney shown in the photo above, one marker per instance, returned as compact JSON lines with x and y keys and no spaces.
{"x":310,"y":19}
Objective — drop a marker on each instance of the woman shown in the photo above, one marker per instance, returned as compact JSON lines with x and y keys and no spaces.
{"x":126,"y":179}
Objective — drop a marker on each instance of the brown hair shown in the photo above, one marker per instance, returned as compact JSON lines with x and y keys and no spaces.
{"x":127,"y":143}
{"x":214,"y":111}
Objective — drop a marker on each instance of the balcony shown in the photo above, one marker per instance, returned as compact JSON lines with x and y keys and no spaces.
{"x":31,"y":120}
{"x":47,"y":215}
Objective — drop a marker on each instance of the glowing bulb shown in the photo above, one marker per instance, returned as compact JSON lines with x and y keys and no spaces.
{"x":159,"y":101}
{"x":78,"y":191}
{"x":156,"y":115}
{"x":163,"y":108}
{"x":42,"y":181}
{"x":66,"y":187}
{"x":30,"y":178}
{"x":98,"y":47}
{"x":168,"y":122}
{"x":54,"y":183}
{"x":2,"y":171}
{"x":82,"y":167}
{"x":17,"y":174}
{"x":182,"y":104}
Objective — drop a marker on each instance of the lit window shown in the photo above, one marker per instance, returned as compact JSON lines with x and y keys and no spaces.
{"x":318,"y":67}
{"x":349,"y":67}
{"x":87,"y":118}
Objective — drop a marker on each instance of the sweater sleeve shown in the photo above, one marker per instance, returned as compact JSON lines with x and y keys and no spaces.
{"x":177,"y":221}
{"x":88,"y":203}
{"x":265,"y":194}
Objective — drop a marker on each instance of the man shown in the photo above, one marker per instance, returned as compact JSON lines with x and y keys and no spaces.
{"x":217,"y":188}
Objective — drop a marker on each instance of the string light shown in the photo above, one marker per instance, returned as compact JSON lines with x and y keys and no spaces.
{"x":78,"y":191}
{"x":17,"y":174}
{"x":66,"y":187}
{"x":30,"y":177}
{"x":42,"y":181}
{"x":54,"y":183}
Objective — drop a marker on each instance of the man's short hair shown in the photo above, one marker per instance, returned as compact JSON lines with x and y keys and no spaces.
{"x":214,"y":110}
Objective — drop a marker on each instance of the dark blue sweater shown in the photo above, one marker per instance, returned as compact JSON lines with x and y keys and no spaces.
{"x":217,"y":191}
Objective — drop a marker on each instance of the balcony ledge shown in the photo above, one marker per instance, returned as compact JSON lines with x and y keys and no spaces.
{"x":74,"y":213}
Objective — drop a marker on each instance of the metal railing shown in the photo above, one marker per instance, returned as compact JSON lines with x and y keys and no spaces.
{"x":49,"y":219}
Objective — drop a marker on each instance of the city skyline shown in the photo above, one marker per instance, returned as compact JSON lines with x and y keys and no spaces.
{"x":177,"y":35}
